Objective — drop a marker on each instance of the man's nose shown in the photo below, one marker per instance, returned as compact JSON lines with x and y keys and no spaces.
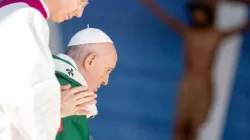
{"x":105,"y":81}
{"x":78,"y":13}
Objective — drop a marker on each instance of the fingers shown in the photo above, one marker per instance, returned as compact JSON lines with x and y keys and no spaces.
{"x":84,"y":94}
{"x":82,"y":110}
{"x":76,"y":90}
{"x":65,"y":87}
{"x":90,"y":102}
{"x":86,"y":99}
{"x":82,"y":113}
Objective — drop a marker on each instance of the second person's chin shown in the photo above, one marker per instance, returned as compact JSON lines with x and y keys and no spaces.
{"x":58,"y":20}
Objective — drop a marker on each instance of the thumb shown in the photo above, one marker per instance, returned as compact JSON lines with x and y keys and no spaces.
{"x":65,"y":87}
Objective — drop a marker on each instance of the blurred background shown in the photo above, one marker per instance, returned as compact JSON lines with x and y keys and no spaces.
{"x":139,"y":102}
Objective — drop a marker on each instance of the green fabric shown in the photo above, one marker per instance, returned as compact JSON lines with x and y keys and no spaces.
{"x":74,"y":127}
{"x":56,"y":57}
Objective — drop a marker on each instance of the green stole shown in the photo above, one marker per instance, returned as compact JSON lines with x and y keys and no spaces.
{"x":74,"y":127}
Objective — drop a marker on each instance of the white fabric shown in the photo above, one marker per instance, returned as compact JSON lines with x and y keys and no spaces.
{"x":88,"y":36}
{"x":62,"y":66}
{"x":229,"y":15}
{"x":30,"y":92}
{"x":67,"y":58}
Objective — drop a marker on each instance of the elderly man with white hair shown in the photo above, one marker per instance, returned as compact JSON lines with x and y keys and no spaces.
{"x":88,"y":61}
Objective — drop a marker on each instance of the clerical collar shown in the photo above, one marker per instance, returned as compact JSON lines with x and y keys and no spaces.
{"x":37,"y":4}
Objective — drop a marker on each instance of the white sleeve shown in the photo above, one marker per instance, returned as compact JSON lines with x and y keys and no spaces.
{"x":30,"y":92}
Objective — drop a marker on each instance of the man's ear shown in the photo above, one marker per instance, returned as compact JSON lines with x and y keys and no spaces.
{"x":90,"y":61}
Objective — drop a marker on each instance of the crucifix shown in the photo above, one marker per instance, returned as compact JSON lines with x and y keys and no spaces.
{"x":201,"y":39}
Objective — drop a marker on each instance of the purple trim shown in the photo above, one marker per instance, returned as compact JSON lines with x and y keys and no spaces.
{"x":32,"y":3}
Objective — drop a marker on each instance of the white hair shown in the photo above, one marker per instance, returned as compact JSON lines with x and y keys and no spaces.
{"x":76,"y":51}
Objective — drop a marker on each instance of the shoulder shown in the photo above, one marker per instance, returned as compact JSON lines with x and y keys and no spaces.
{"x":18,"y":11}
{"x":21,"y":20}
{"x":20,"y":14}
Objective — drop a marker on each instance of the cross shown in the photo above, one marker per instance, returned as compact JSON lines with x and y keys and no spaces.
{"x":70,"y":72}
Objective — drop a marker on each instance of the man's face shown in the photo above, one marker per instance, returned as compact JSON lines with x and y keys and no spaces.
{"x":99,"y":66}
{"x":67,"y":9}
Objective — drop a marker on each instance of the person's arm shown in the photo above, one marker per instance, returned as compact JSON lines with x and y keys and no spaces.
{"x":30,"y":92}
{"x":164,"y":16}
{"x":237,"y":30}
